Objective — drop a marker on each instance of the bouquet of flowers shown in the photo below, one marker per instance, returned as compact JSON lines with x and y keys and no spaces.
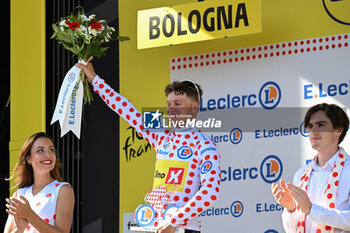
{"x":85,"y":37}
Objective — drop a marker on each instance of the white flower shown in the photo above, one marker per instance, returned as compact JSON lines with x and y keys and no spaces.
{"x":84,"y":18}
{"x":92,"y":17}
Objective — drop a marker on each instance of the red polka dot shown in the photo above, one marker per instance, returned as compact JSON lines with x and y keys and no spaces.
{"x":199,"y":198}
{"x":111,"y":94}
{"x":187,"y":209}
{"x":120,"y":111}
{"x":187,"y":136}
{"x":171,"y":155}
{"x":46,"y":220}
{"x":181,"y":215}
{"x":107,"y":90}
{"x":318,"y":231}
{"x":185,"y":199}
{"x":193,"y":215}
{"x":27,"y":228}
{"x":205,"y":192}
{"x":48,"y":195}
{"x":341,"y":156}
{"x":329,"y":196}
{"x":342,"y":163}
{"x":156,"y":224}
{"x":193,"y":204}
{"x":173,"y":221}
{"x":138,"y":114}
{"x":118,"y":98}
{"x":335,"y":174}
{"x":193,"y":166}
{"x":124,"y":104}
{"x":213,"y":197}
{"x":331,"y":205}
{"x":187,"y":190}
{"x":134,"y":122}
{"x":206,"y":203}
{"x":57,"y":184}
{"x":191,"y":174}
{"x":54,"y":216}
{"x":101,"y":86}
{"x":176,"y":198}
{"x":328,"y":228}
{"x":336,"y":183}
{"x":207,"y":157}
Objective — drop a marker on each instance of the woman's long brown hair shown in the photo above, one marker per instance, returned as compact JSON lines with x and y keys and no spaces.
{"x":23,"y":172}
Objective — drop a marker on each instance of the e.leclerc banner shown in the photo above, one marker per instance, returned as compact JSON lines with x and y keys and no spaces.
{"x":197,"y":22}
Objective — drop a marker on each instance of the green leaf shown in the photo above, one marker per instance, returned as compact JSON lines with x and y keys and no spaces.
{"x":123,"y":38}
{"x":96,"y":51}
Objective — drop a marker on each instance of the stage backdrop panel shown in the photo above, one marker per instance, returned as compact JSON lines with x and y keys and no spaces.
{"x":261,"y":95}
{"x":144,"y":74}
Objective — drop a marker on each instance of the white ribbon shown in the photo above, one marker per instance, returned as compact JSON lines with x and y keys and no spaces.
{"x":69,"y":104}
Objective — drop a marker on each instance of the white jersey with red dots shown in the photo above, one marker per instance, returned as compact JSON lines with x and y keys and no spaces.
{"x":187,"y":161}
{"x":43,"y":203}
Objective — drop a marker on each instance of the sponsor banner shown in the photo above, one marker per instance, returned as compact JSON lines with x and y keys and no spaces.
{"x":261,"y":95}
{"x":197,"y":22}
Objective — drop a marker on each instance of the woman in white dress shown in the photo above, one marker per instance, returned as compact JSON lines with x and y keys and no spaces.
{"x":42,"y":203}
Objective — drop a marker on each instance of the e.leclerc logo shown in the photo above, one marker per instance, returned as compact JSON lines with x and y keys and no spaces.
{"x":338,"y":10}
{"x":235,"y":137}
{"x":270,"y":170}
{"x":323,"y":90}
{"x":235,"y":209}
{"x":268,"y":97}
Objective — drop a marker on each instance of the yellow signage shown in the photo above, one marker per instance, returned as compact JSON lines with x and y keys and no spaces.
{"x":197,"y":22}
{"x":170,"y":174}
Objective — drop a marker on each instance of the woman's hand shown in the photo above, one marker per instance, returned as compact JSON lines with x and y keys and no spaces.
{"x":21,"y":223}
{"x":19,"y":208}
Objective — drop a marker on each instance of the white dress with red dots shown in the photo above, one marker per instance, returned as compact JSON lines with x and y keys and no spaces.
{"x":187,"y":163}
{"x":43,"y":203}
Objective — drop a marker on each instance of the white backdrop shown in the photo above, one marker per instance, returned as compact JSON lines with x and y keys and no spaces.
{"x":269,"y":87}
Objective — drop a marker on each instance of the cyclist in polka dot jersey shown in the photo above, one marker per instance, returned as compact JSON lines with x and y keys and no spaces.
{"x":187,"y":161}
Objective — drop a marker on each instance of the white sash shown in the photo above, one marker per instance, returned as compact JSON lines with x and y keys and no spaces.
{"x":69,"y":104}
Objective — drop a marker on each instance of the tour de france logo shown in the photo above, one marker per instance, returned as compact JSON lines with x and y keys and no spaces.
{"x":144,"y":215}
{"x":338,"y":10}
{"x":270,"y":95}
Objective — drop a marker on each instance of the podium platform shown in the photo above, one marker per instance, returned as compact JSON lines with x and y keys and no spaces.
{"x":148,"y":229}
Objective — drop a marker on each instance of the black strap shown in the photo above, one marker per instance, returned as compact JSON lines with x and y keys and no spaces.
{"x":192,"y":231}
